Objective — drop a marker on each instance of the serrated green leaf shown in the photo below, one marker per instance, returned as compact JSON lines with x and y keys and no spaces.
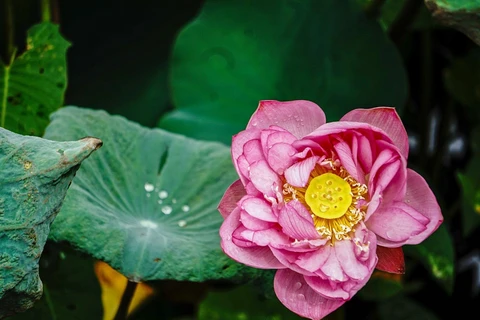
{"x":437,"y":254}
{"x":463,"y":15}
{"x":147,"y":202}
{"x":324,"y":51}
{"x":35,"y":174}
{"x":33,"y":84}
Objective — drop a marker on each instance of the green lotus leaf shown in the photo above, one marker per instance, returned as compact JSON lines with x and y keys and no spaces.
{"x":238,"y":52}
{"x":146,"y":203}
{"x":33,"y":84}
{"x":35,"y":174}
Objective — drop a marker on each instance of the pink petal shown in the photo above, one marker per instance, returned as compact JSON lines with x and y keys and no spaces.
{"x":345,"y":156}
{"x":264,"y":178}
{"x":299,"y":117}
{"x":280,"y":157}
{"x":234,"y":193}
{"x":396,"y":224}
{"x":332,"y":268}
{"x":257,"y":257}
{"x":292,"y":290}
{"x":297,"y":222}
{"x":274,"y":135}
{"x":258,"y":208}
{"x":390,"y":260}
{"x":269,"y":237}
{"x":385,"y":118}
{"x":365,"y":153}
{"x":253,"y":223}
{"x":289,"y":259}
{"x":420,"y":197}
{"x":327,"y":288}
{"x":253,"y":152}
{"x":312,"y":261}
{"x":243,"y":169}
{"x":238,"y":141}
{"x":299,"y":173}
{"x":345,"y":252}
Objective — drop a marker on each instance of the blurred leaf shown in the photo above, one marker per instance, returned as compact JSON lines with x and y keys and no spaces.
{"x":35,"y":174}
{"x":33,"y":84}
{"x":71,"y":289}
{"x":470,"y":182}
{"x":324,"y":51}
{"x":401,"y":308}
{"x":462,"y":80}
{"x":381,"y":286}
{"x":243,"y":303}
{"x":119,"y":61}
{"x":113,"y":285}
{"x":390,"y":10}
{"x":147,"y":203}
{"x":459,"y":14}
{"x":436,"y":253}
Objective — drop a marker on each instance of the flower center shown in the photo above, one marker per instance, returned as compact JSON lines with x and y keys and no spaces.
{"x":335,"y":199}
{"x":328,"y":196}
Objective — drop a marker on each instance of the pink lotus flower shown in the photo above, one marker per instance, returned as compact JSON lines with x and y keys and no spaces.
{"x":324,"y":203}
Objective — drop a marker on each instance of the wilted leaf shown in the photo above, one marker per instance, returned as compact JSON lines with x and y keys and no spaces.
{"x":33,"y":85}
{"x":71,"y":290}
{"x":35,"y":174}
{"x":147,"y":203}
{"x":325,"y":51}
{"x":113,"y":285}
{"x":462,"y":15}
{"x":436,"y":253}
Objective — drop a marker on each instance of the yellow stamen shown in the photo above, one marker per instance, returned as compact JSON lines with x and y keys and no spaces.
{"x":328,"y":196}
{"x":334,"y":199}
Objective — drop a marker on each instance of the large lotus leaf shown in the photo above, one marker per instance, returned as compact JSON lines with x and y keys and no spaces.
{"x":35,"y":174}
{"x":147,"y":202}
{"x":33,"y":84}
{"x":238,"y":52}
{"x":463,"y":15}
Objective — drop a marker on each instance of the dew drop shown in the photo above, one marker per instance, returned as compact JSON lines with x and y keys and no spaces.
{"x":160,"y":201}
{"x":174,"y":200}
{"x":297,"y":285}
{"x":313,"y":195}
{"x":149,"y":187}
{"x":167,"y":209}
{"x":148,"y":195}
{"x":185,"y":208}
{"x":182,"y":223}
{"x":148,"y":224}
{"x":301,"y":296}
{"x":163,"y":194}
